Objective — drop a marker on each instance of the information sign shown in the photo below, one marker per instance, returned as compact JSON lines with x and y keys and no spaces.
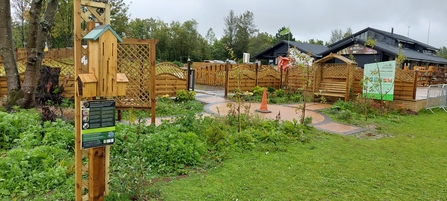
{"x":380,"y":87}
{"x":98,"y":123}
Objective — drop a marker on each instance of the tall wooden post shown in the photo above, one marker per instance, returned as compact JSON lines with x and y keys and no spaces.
{"x":280,"y":77}
{"x":78,"y":69}
{"x":189,"y":74}
{"x":227,"y":79}
{"x":415,"y":84}
{"x":152,"y":75}
{"x":256,"y":74}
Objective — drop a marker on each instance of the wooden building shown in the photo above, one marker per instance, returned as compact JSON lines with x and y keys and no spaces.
{"x":386,"y":48}
{"x":269,"y":55}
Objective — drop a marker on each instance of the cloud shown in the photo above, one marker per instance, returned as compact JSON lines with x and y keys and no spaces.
{"x":308,"y":19}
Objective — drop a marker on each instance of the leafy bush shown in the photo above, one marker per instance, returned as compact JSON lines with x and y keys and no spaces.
{"x":257,"y":91}
{"x":279,"y":93}
{"x":183,"y":95}
{"x":178,"y":63}
{"x":164,"y":151}
{"x":13,"y":124}
{"x":32,"y":171}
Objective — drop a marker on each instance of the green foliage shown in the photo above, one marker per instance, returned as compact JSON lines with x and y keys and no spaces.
{"x":41,"y":160}
{"x":13,"y":124}
{"x":257,"y":91}
{"x":279,"y":93}
{"x":183,"y":95}
{"x":67,"y":103}
{"x":442,"y":52}
{"x":178,"y":63}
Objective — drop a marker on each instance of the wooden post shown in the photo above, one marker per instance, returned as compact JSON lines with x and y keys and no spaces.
{"x":256,"y":74}
{"x":78,"y":69}
{"x":152,"y":78}
{"x":415,"y":83}
{"x":96,"y":173}
{"x":226,"y":80}
{"x":280,"y":76}
{"x":188,"y":74}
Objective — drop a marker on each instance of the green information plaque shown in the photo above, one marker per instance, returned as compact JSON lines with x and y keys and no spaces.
{"x":98,"y":123}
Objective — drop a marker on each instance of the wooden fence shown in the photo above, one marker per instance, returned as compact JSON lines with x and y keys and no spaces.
{"x":405,"y":83}
{"x":250,"y":75}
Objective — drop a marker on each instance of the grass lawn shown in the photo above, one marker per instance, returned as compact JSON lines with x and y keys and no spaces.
{"x":410,"y":163}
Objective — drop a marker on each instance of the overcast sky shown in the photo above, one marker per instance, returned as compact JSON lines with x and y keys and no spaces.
{"x":422,"y":20}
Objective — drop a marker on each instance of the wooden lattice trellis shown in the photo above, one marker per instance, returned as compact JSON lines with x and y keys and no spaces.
{"x":331,"y":71}
{"x":134,"y":61}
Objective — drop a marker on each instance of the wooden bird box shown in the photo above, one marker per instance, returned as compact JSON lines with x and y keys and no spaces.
{"x":121,"y":80}
{"x":102,"y":43}
{"x":87,"y":84}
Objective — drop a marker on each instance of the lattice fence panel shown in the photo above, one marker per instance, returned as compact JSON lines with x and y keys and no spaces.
{"x":404,"y":75}
{"x":335,"y":71}
{"x":134,"y":61}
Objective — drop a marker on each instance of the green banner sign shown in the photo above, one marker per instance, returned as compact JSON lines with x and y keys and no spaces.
{"x":98,"y":123}
{"x":379,"y":80}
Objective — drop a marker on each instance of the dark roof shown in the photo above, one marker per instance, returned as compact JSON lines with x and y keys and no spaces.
{"x":303,"y":47}
{"x":412,"y":55}
{"x":393,"y":35}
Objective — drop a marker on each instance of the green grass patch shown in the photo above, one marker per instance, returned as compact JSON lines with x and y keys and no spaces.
{"x":409,"y":164}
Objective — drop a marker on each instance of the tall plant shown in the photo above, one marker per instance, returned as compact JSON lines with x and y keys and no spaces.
{"x":303,"y":62}
{"x":369,"y":85}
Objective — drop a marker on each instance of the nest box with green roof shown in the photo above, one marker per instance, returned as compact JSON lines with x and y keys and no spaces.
{"x":102,"y":78}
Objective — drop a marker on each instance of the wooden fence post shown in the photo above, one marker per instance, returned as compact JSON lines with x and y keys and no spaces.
{"x":227,"y":79}
{"x":256,"y":74}
{"x":280,"y":77}
{"x":415,"y":83}
{"x":188,"y":75}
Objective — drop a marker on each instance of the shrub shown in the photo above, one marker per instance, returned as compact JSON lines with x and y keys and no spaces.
{"x":257,"y":91}
{"x":183,"y":95}
{"x":13,"y":124}
{"x":178,"y":63}
{"x":279,"y":93}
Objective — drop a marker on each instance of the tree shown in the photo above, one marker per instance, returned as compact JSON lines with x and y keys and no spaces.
{"x":39,"y":28}
{"x":7,"y":50}
{"x":62,"y":31}
{"x":245,"y":30}
{"x":139,"y":28}
{"x":338,"y":34}
{"x":119,"y":17}
{"x":260,"y":42}
{"x":238,"y":31}
{"x":20,"y":12}
{"x":317,"y":42}
{"x":230,"y":29}
{"x":442,"y":52}
{"x":210,"y":36}
{"x":218,"y":50}
{"x":280,"y":37}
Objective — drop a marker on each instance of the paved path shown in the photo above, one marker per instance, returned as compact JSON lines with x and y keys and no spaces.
{"x":215,"y":104}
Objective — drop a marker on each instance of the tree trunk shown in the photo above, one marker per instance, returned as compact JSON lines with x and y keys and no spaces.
{"x":7,"y":52}
{"x":38,"y":33}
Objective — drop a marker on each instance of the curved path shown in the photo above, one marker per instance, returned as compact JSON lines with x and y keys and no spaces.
{"x":218,"y":106}
{"x":215,"y":104}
